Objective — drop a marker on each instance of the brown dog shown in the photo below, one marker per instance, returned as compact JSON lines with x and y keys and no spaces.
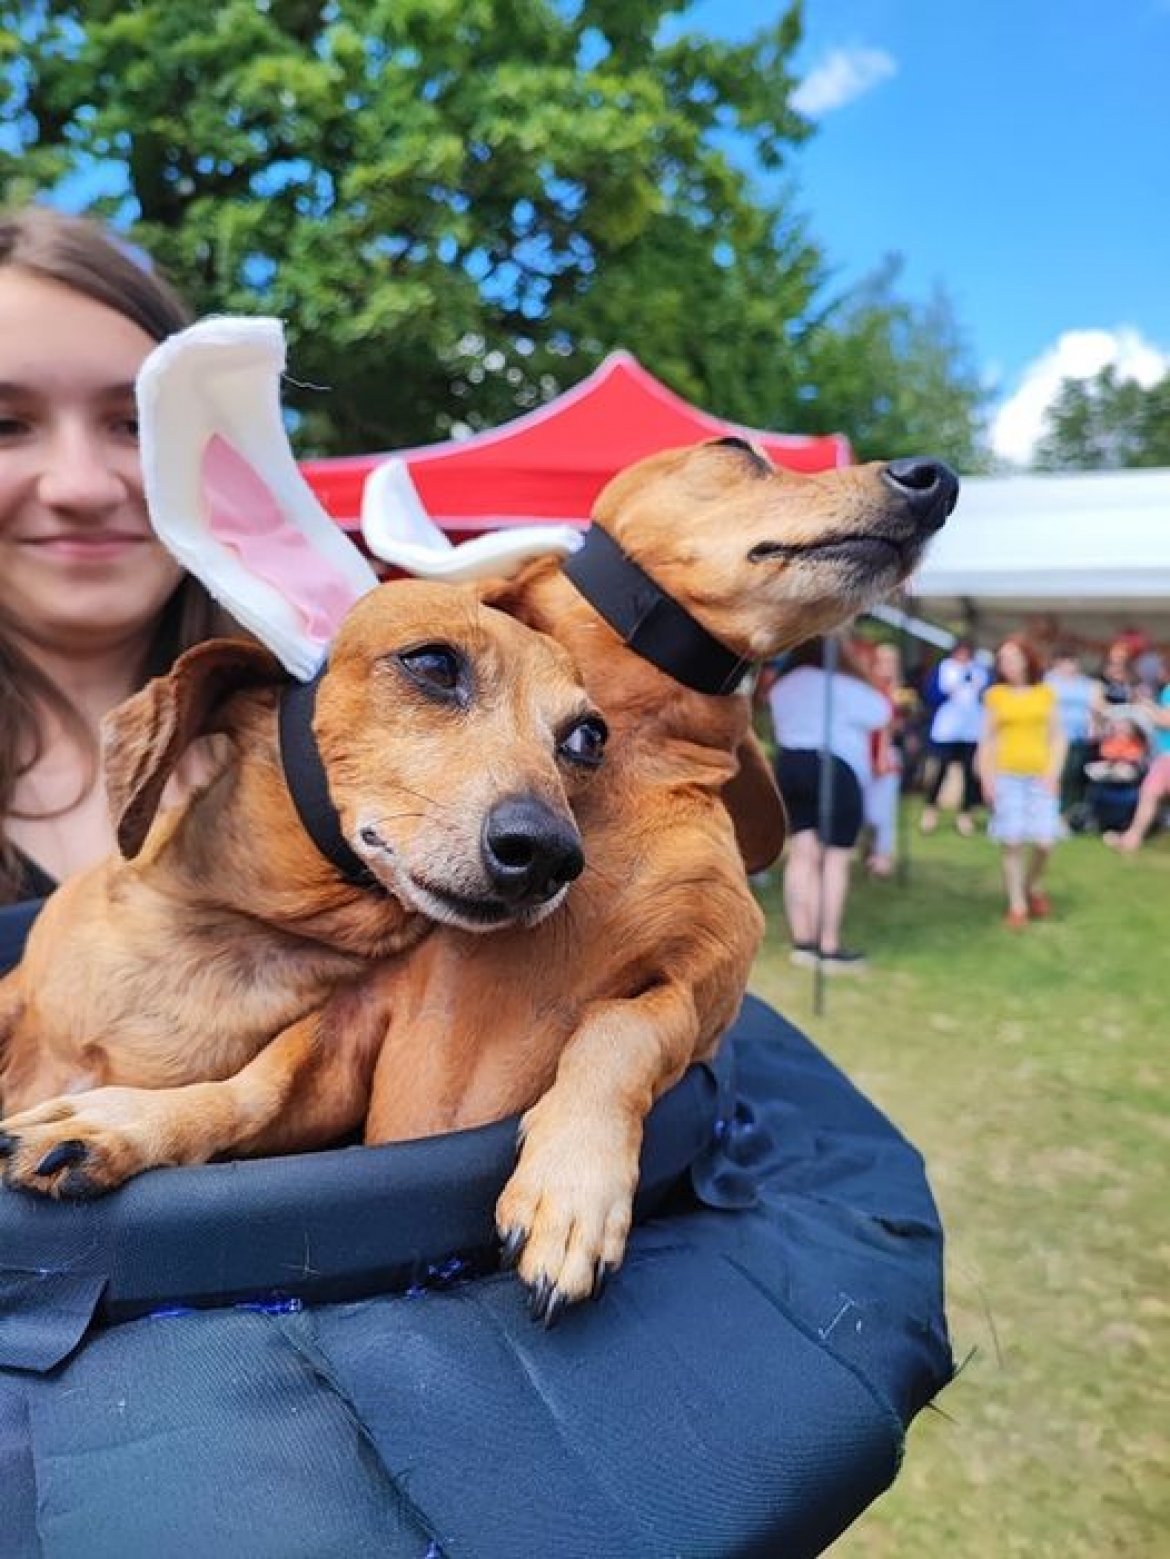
{"x":583,"y":1021}
{"x":193,"y":987}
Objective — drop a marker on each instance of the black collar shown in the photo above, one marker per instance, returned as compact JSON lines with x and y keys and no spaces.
{"x":651,"y":622}
{"x":304,"y":774}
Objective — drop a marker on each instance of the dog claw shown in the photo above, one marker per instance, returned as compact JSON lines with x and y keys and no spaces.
{"x":512,"y":1249}
{"x":71,"y":1151}
{"x":76,"y":1186}
{"x":545,"y":1302}
{"x":537,"y":1298}
{"x":602,"y":1273}
{"x":552,"y":1310}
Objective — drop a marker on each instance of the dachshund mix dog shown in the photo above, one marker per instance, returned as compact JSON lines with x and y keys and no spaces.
{"x":178,"y":1003}
{"x":701,"y":561}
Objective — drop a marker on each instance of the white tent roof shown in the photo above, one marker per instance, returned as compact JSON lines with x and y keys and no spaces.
{"x":1091,"y":550}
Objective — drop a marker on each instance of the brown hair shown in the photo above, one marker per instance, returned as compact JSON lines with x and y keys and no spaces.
{"x":812,"y":653}
{"x":1033,"y":661}
{"x":86,"y":257}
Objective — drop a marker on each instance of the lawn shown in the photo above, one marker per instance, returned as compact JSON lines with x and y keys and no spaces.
{"x":1031,"y":1069}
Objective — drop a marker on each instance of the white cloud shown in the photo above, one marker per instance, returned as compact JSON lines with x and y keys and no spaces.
{"x":1077,"y":354}
{"x":844,"y":75}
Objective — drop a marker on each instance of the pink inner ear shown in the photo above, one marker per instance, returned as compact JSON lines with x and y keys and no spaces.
{"x":245,"y":516}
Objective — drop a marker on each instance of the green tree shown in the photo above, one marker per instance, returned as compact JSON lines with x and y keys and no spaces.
{"x":896,"y":375}
{"x":459,"y":206}
{"x":440,"y":196}
{"x":1106,"y":423}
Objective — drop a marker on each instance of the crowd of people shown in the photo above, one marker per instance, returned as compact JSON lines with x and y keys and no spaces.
{"x":1044,"y":746}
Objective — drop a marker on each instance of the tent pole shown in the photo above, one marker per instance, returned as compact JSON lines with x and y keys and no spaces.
{"x":829,"y":661}
{"x":902,"y":868}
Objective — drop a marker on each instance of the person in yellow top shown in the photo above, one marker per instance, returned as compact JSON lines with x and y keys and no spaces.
{"x":1019,"y":762}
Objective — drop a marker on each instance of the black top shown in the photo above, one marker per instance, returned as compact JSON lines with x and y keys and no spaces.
{"x":35,"y":882}
{"x":32,"y":889}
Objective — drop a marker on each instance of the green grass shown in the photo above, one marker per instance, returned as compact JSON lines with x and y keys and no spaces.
{"x":1031,"y":1070}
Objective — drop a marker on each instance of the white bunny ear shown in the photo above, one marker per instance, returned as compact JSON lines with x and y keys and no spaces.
{"x":227,"y":497}
{"x":393,"y":515}
{"x":397,"y":529}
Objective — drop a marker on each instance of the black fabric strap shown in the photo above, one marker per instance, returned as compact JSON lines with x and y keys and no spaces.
{"x":304,"y":774}
{"x":651,"y":622}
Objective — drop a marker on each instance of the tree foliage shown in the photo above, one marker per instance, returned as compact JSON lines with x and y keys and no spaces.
{"x":1106,"y":423}
{"x":458,"y":206}
{"x":898,"y":376}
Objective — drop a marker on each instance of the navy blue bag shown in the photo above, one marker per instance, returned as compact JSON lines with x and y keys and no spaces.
{"x":315,"y":1358}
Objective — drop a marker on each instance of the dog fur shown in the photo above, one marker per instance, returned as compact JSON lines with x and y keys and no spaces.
{"x":583,"y":1021}
{"x":177,"y":1003}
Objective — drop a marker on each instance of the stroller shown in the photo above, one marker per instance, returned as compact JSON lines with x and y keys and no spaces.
{"x":1113,"y":775}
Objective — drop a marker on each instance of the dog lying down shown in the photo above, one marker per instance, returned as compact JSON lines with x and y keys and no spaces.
{"x":192,"y":985}
{"x":700,"y":563}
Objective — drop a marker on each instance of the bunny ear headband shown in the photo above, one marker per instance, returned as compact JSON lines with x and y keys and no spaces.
{"x":227,"y":498}
{"x":397,"y":529}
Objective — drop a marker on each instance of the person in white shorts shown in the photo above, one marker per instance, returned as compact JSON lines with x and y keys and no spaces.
{"x":1019,"y":762}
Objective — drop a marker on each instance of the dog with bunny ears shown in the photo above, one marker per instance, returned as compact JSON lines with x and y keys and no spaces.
{"x":182,"y":1001}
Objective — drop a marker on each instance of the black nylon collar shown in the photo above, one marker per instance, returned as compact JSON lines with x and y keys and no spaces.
{"x":304,"y":774}
{"x":651,"y":622}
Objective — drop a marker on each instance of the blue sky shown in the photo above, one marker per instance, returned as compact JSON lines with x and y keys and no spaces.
{"x":1017,"y":151}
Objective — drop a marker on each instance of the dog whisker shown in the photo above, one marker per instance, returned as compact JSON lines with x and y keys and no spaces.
{"x":419,"y":795}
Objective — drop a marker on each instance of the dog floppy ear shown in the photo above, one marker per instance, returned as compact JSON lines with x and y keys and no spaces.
{"x":756,"y":807}
{"x":144,"y":737}
{"x":227,"y":497}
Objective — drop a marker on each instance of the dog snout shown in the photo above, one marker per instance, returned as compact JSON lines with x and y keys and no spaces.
{"x":530,"y":852}
{"x":929,"y":488}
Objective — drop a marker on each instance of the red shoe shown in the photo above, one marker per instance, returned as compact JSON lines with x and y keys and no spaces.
{"x":1039,"y":906}
{"x":1015,"y":919}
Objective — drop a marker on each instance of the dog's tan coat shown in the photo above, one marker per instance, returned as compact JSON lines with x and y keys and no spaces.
{"x":184,"y":1000}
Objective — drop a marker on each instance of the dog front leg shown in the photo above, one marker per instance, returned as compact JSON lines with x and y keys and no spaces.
{"x":564,"y":1216}
{"x":11,"y":1009}
{"x":307,"y":1087}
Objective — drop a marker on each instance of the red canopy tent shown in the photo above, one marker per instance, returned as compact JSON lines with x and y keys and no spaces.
{"x":550,"y":464}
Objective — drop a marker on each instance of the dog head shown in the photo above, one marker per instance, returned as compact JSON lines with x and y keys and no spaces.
{"x":453,"y":741}
{"x":765,"y":558}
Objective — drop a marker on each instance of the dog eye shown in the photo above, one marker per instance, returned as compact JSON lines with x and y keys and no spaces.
{"x":435,"y":667}
{"x":585,"y":742}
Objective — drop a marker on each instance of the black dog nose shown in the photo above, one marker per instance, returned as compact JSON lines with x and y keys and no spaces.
{"x":529,"y":851}
{"x":929,"y":487}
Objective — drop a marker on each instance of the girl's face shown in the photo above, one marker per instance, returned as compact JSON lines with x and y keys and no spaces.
{"x":887,"y":663}
{"x":80,"y":568}
{"x":1013,"y":667}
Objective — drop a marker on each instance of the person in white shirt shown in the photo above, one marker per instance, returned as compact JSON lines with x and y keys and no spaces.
{"x":816,"y":713}
{"x":955,"y":731}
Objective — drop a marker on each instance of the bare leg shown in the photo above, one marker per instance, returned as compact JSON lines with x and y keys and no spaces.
{"x":835,"y":879}
{"x":802,"y":887}
{"x":1037,"y":864}
{"x":1014,"y":880}
{"x":881,"y":813}
{"x":1149,"y":799}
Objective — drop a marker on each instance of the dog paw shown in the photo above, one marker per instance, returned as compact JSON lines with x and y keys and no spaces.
{"x":564,"y":1218}
{"x":72,"y":1148}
